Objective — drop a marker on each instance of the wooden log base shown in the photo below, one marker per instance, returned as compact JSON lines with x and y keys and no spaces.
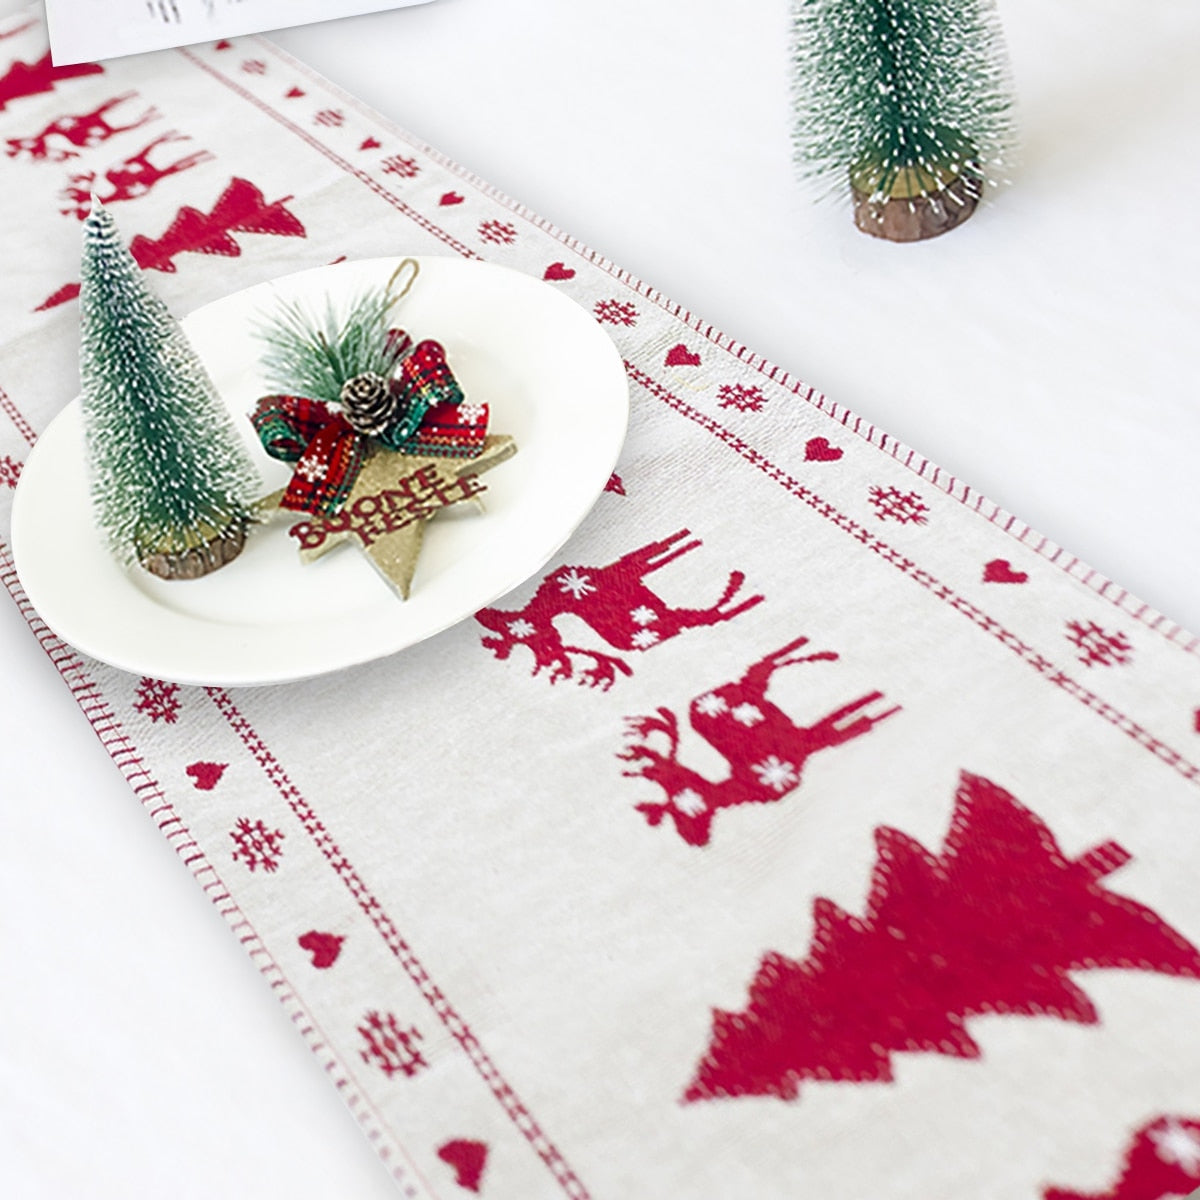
{"x":218,"y":551}
{"x":914,"y":218}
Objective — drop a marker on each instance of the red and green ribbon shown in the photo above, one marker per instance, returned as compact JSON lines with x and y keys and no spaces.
{"x":432,"y":420}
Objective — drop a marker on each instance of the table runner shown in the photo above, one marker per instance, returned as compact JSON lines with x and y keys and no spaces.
{"x":558,"y":897}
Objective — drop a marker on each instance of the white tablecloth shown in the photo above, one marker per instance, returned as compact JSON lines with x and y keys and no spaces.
{"x":1053,"y":376}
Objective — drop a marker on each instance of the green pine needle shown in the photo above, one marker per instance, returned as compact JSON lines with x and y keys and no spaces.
{"x":168,"y":468}
{"x":313,"y":356}
{"x":902,"y":96}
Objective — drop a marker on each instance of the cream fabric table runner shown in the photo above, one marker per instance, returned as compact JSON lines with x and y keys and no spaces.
{"x":809,"y":827}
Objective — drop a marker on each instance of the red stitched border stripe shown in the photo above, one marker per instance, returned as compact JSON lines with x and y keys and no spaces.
{"x":928,"y":471}
{"x":124,"y":753}
{"x":17,"y":417}
{"x":457,"y":1027}
{"x":931,"y":583}
{"x":395,"y":201}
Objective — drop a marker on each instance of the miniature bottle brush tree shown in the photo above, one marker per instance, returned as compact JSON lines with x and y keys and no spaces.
{"x":908,"y":100}
{"x":171,"y":482}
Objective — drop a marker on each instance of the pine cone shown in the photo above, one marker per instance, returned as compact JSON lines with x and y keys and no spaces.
{"x":368,"y":403}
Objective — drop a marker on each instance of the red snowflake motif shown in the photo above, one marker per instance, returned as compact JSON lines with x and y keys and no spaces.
{"x":406,"y":168}
{"x":891,"y":504}
{"x":254,"y":66}
{"x":745,"y":399}
{"x":392,"y":1049}
{"x":10,"y":472}
{"x":158,"y":700}
{"x":331,"y":117}
{"x":615,"y":312}
{"x":1097,"y":647}
{"x":499,"y":232}
{"x":256,"y":845}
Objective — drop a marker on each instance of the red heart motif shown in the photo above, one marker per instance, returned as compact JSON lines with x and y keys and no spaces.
{"x":818,"y":449}
{"x":559,"y":271}
{"x":324,"y":947}
{"x":1000,"y":570}
{"x":206,"y":775}
{"x":681,"y":356}
{"x":451,"y":198}
{"x":294,"y":93}
{"x":468,"y":1158}
{"x":615,"y":484}
{"x":370,"y":144}
{"x":222,"y":45}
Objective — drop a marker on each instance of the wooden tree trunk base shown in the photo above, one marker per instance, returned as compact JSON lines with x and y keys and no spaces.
{"x":914,"y":218}
{"x":221,"y":549}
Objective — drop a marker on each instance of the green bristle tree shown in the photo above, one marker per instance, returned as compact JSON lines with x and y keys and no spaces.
{"x":908,"y":101}
{"x":172,"y":484}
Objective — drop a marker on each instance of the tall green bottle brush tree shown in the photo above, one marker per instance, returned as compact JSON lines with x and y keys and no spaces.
{"x":172,"y":484}
{"x":907,"y":101}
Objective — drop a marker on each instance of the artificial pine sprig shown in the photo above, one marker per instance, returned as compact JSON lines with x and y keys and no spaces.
{"x":904,"y":96}
{"x":314,"y":356}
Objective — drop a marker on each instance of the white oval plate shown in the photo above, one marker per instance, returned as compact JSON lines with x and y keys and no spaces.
{"x":554,"y":381}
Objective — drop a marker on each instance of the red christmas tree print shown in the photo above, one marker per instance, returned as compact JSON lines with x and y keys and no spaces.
{"x":32,"y":79}
{"x":615,"y":603}
{"x":993,"y":924}
{"x":1162,"y":1160}
{"x":241,"y":208}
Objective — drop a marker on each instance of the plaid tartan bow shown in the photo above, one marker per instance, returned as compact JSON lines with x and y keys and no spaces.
{"x":431,"y":420}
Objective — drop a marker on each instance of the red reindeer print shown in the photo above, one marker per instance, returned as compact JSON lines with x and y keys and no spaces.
{"x":130,"y":179}
{"x":80,"y":130}
{"x":766,"y":750}
{"x":615,"y":602}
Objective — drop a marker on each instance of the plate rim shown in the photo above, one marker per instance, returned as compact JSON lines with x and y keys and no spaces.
{"x":123,"y":658}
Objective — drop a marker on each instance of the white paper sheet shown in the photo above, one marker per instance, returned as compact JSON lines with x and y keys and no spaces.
{"x":89,"y":30}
